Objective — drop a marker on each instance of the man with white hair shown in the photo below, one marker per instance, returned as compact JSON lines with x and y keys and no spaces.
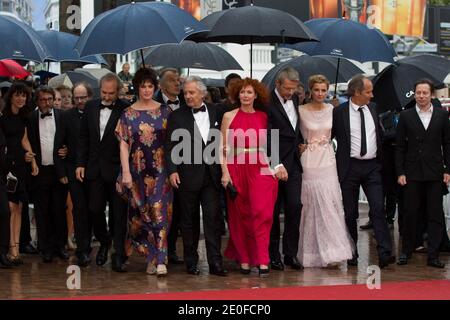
{"x":196,"y":179}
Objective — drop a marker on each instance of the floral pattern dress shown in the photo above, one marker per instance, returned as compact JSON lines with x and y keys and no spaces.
{"x":150,"y":198}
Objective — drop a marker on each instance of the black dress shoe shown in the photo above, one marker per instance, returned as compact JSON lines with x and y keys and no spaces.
{"x":293,"y":263}
{"x":4,"y":262}
{"x":218,"y":270}
{"x":277,"y":265}
{"x":47,"y":257}
{"x":403,"y":259}
{"x":83,"y":260}
{"x":435,"y":263}
{"x":117,"y":263}
{"x":174,"y":259}
{"x":102,"y":255}
{"x":353,"y":262}
{"x":367,"y":226}
{"x":62,"y":254}
{"x":193,"y":270}
{"x":28,"y":249}
{"x":385,"y":261}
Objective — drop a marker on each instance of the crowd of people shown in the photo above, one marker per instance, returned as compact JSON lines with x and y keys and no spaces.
{"x":137,"y":172}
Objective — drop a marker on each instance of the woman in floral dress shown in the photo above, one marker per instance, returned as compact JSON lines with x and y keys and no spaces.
{"x":141,"y":131}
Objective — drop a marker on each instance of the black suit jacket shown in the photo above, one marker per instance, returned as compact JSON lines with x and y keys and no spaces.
{"x":191,"y":174}
{"x":423,"y":155}
{"x":101,"y":158}
{"x":3,"y":166}
{"x":35,"y":137}
{"x":289,"y":139}
{"x":341,"y":131}
{"x":68,"y":135}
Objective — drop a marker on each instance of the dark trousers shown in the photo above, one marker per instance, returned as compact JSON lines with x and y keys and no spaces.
{"x":4,"y":220}
{"x":100,"y":192}
{"x":25,"y":230}
{"x":190,"y":201}
{"x":81,"y":219}
{"x":390,"y":184}
{"x":174,"y":227}
{"x":289,"y":198}
{"x":435,"y":220}
{"x":366,"y":174}
{"x":50,"y":208}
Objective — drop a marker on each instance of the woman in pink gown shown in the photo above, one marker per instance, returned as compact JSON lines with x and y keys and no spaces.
{"x":324,"y":239}
{"x":250,"y":214}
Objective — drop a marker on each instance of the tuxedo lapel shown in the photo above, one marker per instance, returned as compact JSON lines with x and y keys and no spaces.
{"x":418,"y":123}
{"x":96,"y":113}
{"x":433,"y":119}
{"x":346,"y":121}
{"x":36,"y":133}
{"x":112,"y":121}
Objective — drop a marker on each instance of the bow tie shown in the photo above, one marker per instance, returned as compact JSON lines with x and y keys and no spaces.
{"x":201,"y":109}
{"x":47,"y":114}
{"x":286,"y":100}
{"x":173,"y":102}
{"x":110,"y":107}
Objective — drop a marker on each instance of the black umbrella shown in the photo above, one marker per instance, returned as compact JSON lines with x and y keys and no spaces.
{"x":308,"y":66}
{"x":253,"y":24}
{"x":136,"y":26}
{"x":189,"y":54}
{"x":394,"y":86}
{"x":20,"y":42}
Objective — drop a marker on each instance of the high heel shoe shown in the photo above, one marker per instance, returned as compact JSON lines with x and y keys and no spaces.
{"x":161,"y":270}
{"x":244,"y":270}
{"x":14,"y":258}
{"x":263,"y":272}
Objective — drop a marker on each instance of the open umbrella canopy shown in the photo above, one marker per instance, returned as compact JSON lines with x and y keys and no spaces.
{"x":189,"y":54}
{"x":254,"y":24}
{"x":136,"y":26}
{"x":308,"y":66}
{"x":20,"y":42}
{"x":10,"y":68}
{"x":394,"y":86}
{"x":347,"y":39}
{"x":70,"y":78}
{"x":61,"y":46}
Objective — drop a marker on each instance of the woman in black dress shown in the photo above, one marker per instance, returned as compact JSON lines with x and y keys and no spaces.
{"x":13,"y":125}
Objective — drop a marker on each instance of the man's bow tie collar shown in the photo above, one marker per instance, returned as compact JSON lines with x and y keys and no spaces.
{"x":103,"y":106}
{"x":201,"y":109}
{"x":286,"y":100}
{"x":45,"y":115}
{"x":173,"y":102}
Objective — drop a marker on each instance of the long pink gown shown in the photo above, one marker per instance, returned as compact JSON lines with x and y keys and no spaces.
{"x":250,"y":215}
{"x":324,"y":238}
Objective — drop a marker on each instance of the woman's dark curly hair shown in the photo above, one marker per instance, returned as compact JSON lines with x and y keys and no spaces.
{"x":142,"y":76}
{"x":20,"y":88}
{"x":262,"y":93}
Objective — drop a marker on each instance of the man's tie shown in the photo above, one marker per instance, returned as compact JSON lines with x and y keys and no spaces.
{"x":47,"y":114}
{"x":110,"y":107}
{"x":173,"y":102}
{"x":286,"y":100}
{"x":363,"y":133}
{"x":201,"y":109}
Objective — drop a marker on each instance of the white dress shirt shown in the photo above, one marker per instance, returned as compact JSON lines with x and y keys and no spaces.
{"x":290,"y":109}
{"x":171,"y":105}
{"x":47,"y":130}
{"x":425,"y":116}
{"x":203,"y":124}
{"x":105,"y":113}
{"x":355,"y":132}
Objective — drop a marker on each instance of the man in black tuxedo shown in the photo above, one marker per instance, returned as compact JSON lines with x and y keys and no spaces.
{"x":4,"y":208}
{"x":358,"y":159}
{"x":283,"y":116}
{"x":169,"y":94}
{"x":422,"y":164}
{"x":49,"y":192}
{"x":195,"y":176}
{"x":67,"y":136}
{"x":98,"y":161}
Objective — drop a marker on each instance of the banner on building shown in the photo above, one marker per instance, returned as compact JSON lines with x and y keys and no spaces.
{"x":401,"y":17}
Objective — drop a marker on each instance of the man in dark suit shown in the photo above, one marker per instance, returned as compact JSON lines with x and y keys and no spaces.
{"x":49,"y":192}
{"x":283,"y":116}
{"x":422,"y":164}
{"x":169,"y":94}
{"x":98,"y":161}
{"x":358,"y":159}
{"x":195,"y":175}
{"x":4,"y":208}
{"x":67,"y":136}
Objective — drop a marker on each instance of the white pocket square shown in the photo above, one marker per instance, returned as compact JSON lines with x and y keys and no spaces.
{"x":216,"y":123}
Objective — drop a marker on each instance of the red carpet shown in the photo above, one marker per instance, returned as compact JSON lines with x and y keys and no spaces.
{"x":416,"y":290}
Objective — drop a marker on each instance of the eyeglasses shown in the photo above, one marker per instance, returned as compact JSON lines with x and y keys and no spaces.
{"x":80,"y":98}
{"x":46,"y":100}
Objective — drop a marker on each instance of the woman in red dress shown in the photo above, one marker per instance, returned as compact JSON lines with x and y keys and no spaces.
{"x":245,"y":167}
